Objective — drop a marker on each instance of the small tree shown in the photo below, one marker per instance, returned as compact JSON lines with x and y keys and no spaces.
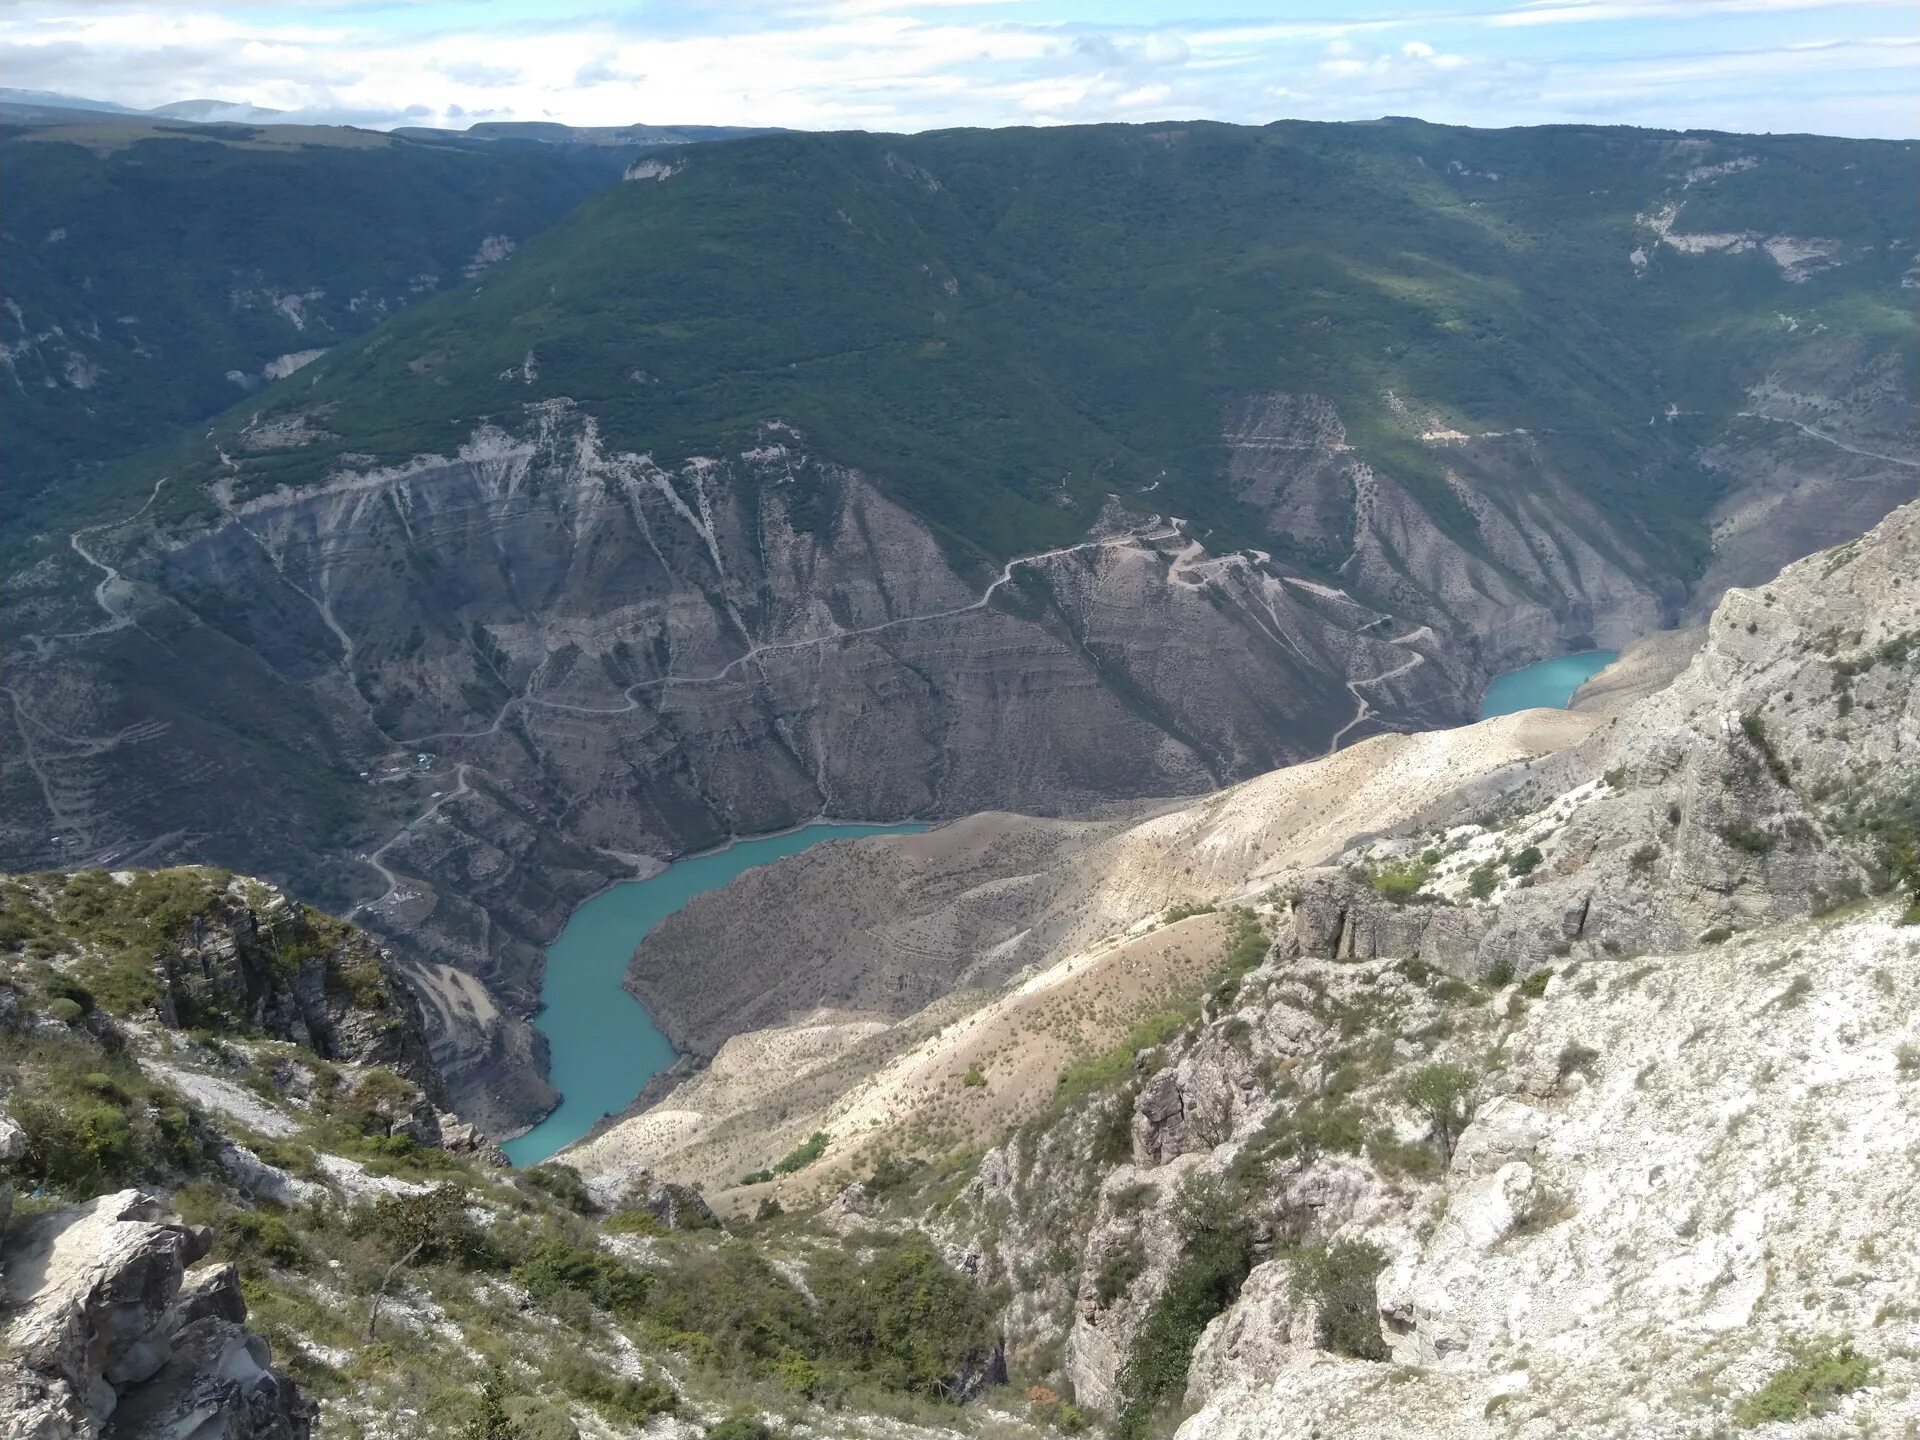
{"x":1400,"y":883}
{"x":491,"y":1421}
{"x":1443,"y":1094}
{"x":1903,"y":859}
{"x":424,"y":1227}
{"x":1341,"y":1281}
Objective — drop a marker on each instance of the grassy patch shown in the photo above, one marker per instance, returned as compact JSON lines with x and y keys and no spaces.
{"x":1808,"y":1386}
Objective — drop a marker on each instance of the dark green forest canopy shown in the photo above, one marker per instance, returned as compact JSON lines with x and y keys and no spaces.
{"x":1005,"y":327}
{"x":141,"y":266}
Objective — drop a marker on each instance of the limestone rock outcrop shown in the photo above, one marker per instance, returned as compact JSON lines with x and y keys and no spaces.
{"x":110,"y":1334}
{"x":256,"y":957}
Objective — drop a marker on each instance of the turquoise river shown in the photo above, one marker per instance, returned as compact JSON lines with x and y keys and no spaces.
{"x":604,"y":1046}
{"x":1548,"y":684}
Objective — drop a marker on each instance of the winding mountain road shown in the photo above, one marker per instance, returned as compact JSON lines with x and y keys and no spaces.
{"x":1363,"y":711}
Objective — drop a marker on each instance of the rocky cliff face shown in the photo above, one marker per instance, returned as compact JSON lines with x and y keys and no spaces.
{"x":531,"y":663}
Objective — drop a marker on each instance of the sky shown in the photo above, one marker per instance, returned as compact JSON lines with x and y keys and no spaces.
{"x":1845,"y":67}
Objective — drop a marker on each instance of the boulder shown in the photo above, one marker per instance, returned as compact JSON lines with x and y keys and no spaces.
{"x":109,"y":1334}
{"x":678,"y":1207}
{"x":219,"y":1381}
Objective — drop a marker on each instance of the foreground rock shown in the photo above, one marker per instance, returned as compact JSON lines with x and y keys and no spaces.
{"x":1609,"y":1253}
{"x":110,"y":1334}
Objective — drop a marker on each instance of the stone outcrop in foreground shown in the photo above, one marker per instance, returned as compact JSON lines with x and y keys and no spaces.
{"x":112,"y":1331}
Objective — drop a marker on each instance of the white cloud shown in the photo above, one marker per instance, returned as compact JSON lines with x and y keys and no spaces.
{"x":1564,"y":12}
{"x":916,"y":64}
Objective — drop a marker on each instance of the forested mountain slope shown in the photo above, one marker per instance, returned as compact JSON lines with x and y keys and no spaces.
{"x":155,"y":273}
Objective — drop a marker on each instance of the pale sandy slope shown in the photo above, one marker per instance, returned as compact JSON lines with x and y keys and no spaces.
{"x":1082,"y":931}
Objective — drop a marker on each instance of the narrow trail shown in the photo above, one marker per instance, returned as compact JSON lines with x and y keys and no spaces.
{"x":1363,"y":711}
{"x":111,"y":576}
{"x":25,"y":724}
{"x":375,"y":857}
{"x":755,"y":652}
{"x":1832,"y":440}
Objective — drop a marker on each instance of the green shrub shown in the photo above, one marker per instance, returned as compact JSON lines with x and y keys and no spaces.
{"x":381,"y":1101}
{"x":1340,"y":1280}
{"x":1754,"y":724}
{"x":799,"y":1374}
{"x":617,"y":1397}
{"x":1903,"y":864}
{"x":890,"y":1175}
{"x":1575,"y":1057}
{"x":1481,"y":881}
{"x":1809,"y":1386}
{"x":1399,"y":882}
{"x":557,"y":1266}
{"x":723,"y":1305}
{"x":905,"y":1318}
{"x":81,"y":1149}
{"x":1526,"y":862}
{"x":1217,"y":1252}
{"x":633,"y":1222}
{"x":1742,"y":835}
{"x":803,"y":1154}
{"x":562,"y":1182}
{"x":1187,"y":909}
{"x":1118,"y":1272}
{"x":1444,"y":1097}
{"x":973,"y":1079}
{"x":741,"y":1424}
{"x":488,"y":1418}
{"x":249,"y":1237}
{"x":430,"y":1227}
{"x":1131,"y":1199}
{"x":1535,"y":985}
{"x":1083,"y":1077}
{"x":1394,"y":1159}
